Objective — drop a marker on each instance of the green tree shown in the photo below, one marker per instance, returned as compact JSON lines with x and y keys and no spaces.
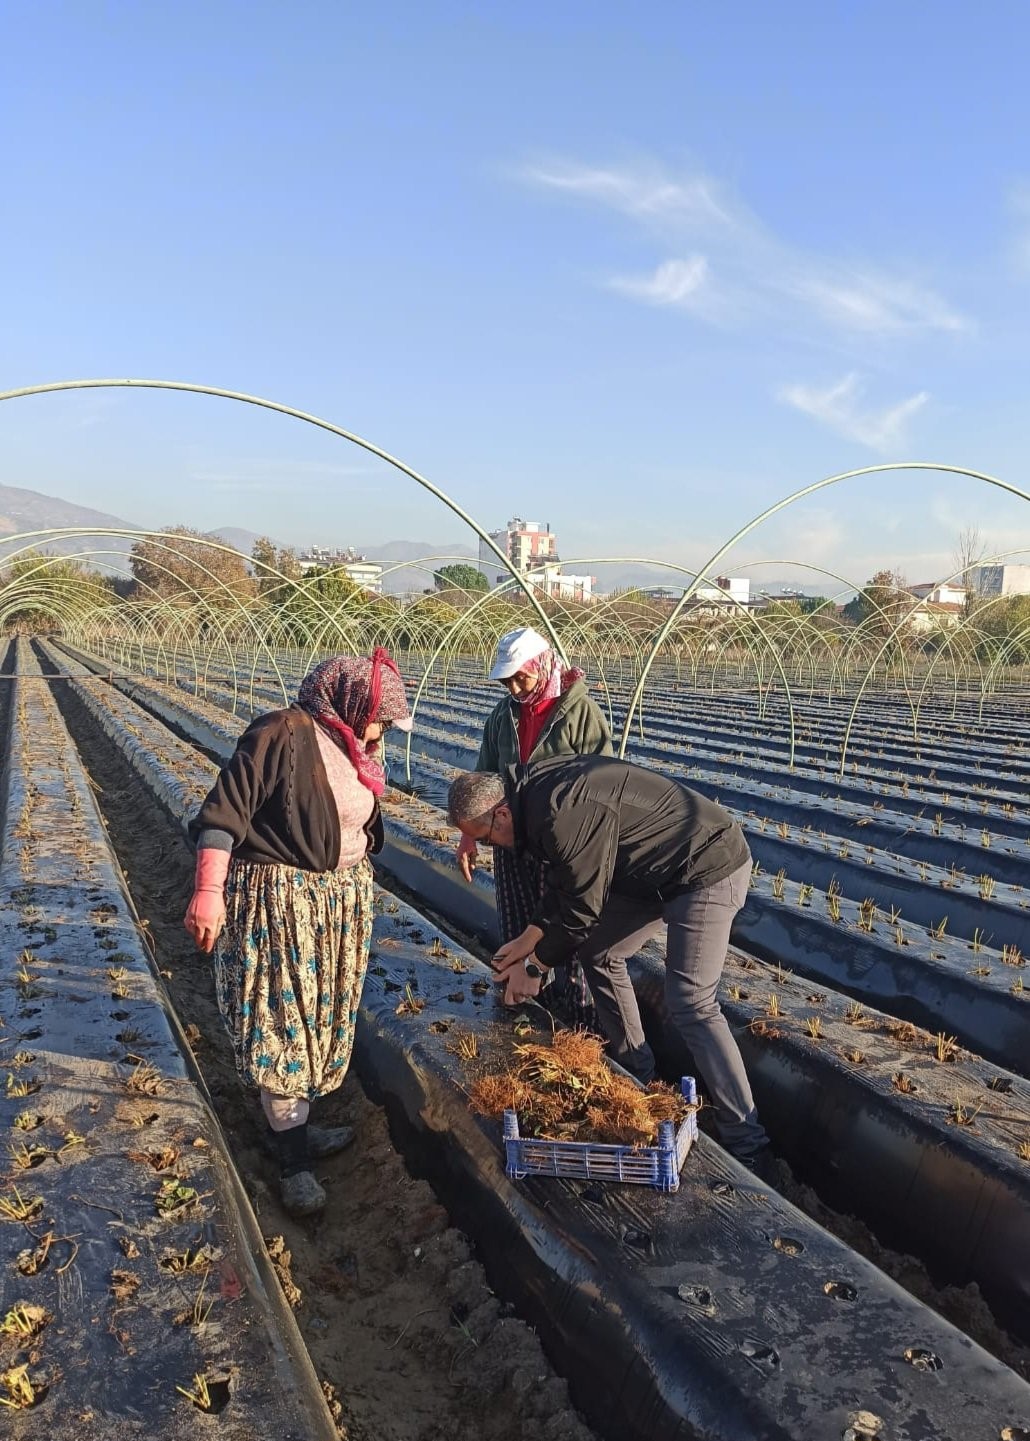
{"x":881,"y":604}
{"x":461,"y":577}
{"x":39,"y":592}
{"x":323,"y":596}
{"x":1006,"y":623}
{"x":271,"y":557}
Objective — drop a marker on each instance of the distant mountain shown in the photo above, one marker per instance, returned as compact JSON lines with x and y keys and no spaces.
{"x":28,"y":510}
{"x":241,"y":540}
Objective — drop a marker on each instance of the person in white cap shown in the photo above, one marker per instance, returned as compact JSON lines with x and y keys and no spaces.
{"x":547,"y":712}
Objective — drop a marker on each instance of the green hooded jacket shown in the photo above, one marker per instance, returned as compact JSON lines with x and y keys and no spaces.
{"x":574,"y":727}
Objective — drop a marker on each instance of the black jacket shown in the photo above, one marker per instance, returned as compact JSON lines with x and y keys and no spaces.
{"x":602,"y":825}
{"x":273,"y":798}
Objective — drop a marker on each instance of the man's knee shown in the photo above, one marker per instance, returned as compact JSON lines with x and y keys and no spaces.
{"x":695,"y":1012}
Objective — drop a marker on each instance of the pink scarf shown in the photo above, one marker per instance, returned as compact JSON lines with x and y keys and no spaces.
{"x":555,"y":678}
{"x":348,"y":693}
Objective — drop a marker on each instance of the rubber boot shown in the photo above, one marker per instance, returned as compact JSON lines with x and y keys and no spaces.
{"x":300,"y":1192}
{"x":327,"y":1140}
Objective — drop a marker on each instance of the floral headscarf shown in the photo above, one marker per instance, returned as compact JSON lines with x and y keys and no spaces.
{"x":555,"y":677}
{"x":348,"y":693}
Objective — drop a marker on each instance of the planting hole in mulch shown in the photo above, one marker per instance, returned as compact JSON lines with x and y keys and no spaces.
{"x":863,"y":1426}
{"x":923,"y":1360}
{"x":124,"y":1284}
{"x":788,"y":1245}
{"x":766,"y":1358}
{"x":698,"y":1298}
{"x":23,"y":1323}
{"x":158,"y":1158}
{"x":209,"y":1394}
{"x":840,"y":1291}
{"x":24,"y":1390}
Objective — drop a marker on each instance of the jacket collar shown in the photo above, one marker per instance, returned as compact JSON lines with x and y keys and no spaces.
{"x":515,"y":778}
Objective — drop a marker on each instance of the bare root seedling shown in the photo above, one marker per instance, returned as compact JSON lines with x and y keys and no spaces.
{"x":411,"y":1005}
{"x":16,"y":1207}
{"x":945,"y":1047}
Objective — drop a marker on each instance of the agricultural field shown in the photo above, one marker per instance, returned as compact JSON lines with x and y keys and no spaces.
{"x":876,"y":986}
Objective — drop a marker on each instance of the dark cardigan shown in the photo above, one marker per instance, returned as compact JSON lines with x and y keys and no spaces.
{"x":274,"y":801}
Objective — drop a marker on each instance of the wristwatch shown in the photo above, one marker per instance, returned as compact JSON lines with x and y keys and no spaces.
{"x":534,"y":972}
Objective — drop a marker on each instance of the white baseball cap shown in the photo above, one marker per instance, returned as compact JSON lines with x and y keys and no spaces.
{"x":515,"y":648}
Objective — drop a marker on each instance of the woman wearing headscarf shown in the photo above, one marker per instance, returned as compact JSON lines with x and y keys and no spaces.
{"x":547,"y":712}
{"x":283,"y":895}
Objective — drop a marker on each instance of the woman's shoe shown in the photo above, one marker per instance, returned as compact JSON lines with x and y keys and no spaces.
{"x":327,"y":1140}
{"x":301,"y":1194}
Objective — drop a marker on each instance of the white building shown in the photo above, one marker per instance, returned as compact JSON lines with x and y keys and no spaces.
{"x":365,"y":573}
{"x":995,"y":580}
{"x":557,"y":584}
{"x":724,"y":593}
{"x":928,"y":615}
{"x":939,"y":592}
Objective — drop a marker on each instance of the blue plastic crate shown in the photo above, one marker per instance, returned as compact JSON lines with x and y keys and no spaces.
{"x":657,"y":1166}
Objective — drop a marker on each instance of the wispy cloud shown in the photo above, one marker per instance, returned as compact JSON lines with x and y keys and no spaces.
{"x":704,"y":225}
{"x":675,"y":282}
{"x":646,"y":193}
{"x":840,"y":408}
{"x":879,"y":304}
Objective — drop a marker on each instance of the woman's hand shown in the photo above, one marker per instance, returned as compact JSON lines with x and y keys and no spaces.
{"x":205,"y":918}
{"x":206,"y":914}
{"x":466,"y":856}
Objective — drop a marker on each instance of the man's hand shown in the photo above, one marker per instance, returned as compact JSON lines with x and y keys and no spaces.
{"x":517,"y":950}
{"x":518,"y":986}
{"x":466,"y":856}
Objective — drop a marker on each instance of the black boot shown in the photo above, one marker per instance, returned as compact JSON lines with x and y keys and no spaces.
{"x":301,"y":1194}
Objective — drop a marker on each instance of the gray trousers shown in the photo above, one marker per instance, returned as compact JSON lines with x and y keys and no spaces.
{"x":698,"y":934}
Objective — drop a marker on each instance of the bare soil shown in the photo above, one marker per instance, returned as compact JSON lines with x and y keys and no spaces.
{"x":410,"y":1342}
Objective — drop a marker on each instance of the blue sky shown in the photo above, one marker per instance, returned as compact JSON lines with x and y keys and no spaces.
{"x":636,"y":271}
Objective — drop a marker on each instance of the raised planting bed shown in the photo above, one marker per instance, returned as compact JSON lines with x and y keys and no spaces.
{"x":720,"y":1311}
{"x":136,"y":1298}
{"x":844,"y":1123}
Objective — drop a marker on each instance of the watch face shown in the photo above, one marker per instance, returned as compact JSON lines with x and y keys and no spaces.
{"x":533,"y":970}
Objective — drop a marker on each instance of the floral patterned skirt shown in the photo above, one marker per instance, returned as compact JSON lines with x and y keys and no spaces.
{"x":289,"y":968}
